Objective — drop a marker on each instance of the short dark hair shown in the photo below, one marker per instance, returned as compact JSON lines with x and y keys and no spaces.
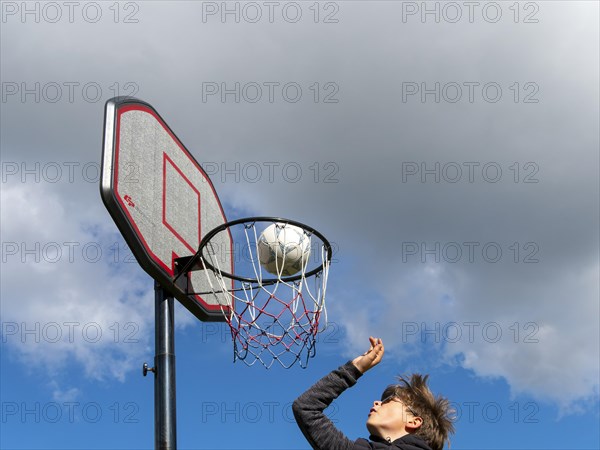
{"x":436,"y":412}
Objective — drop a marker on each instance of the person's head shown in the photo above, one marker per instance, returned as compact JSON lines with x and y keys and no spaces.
{"x":411,"y":408}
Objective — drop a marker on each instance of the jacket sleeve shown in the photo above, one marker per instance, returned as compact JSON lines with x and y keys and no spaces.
{"x":308,"y":409}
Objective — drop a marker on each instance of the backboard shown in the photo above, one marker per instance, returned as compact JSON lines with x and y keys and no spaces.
{"x":162,"y":202}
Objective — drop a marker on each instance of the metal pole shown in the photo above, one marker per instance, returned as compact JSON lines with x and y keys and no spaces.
{"x":165,"y":413}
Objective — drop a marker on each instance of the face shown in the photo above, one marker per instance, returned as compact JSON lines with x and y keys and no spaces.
{"x":390,"y":418}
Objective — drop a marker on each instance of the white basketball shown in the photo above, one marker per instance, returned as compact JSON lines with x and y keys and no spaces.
{"x":283,"y":249}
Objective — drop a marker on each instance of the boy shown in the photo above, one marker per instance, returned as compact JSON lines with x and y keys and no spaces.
{"x":408,"y":417}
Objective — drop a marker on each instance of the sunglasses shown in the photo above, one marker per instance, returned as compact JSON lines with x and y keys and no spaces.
{"x":394,"y":398}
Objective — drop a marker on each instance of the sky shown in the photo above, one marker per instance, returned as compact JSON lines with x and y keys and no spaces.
{"x":448,"y":150}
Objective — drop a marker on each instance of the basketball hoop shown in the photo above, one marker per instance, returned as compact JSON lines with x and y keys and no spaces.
{"x":272,"y":317}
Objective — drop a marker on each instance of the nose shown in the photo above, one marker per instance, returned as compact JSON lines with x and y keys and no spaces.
{"x":377,"y":403}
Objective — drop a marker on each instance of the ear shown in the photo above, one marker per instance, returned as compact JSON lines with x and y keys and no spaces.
{"x":414,"y":424}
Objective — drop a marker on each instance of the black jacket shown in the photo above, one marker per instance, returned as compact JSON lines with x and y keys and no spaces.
{"x":322,"y":434}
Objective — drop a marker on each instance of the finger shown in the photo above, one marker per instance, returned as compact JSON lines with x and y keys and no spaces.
{"x":375,"y":342}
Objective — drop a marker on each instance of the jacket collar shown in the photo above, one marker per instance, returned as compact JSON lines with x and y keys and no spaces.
{"x":408,"y":441}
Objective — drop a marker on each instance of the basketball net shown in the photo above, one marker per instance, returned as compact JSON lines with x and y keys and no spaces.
{"x":271,"y":317}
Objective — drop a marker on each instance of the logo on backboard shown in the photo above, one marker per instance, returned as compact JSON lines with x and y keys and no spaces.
{"x":129,"y":201}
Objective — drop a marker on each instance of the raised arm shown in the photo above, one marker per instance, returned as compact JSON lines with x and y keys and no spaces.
{"x":308,"y":409}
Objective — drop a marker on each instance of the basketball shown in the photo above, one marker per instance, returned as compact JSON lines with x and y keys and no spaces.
{"x":283,"y":249}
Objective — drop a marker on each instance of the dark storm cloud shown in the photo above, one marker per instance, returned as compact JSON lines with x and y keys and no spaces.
{"x":402,"y":137}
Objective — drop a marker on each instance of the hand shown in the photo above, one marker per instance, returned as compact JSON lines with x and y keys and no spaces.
{"x":371,"y":357}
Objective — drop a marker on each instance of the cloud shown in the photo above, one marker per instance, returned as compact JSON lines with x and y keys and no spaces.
{"x":547,"y":346}
{"x":64,"y":296}
{"x":542,"y":337}
{"x":64,"y":395}
{"x":398,"y":233}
